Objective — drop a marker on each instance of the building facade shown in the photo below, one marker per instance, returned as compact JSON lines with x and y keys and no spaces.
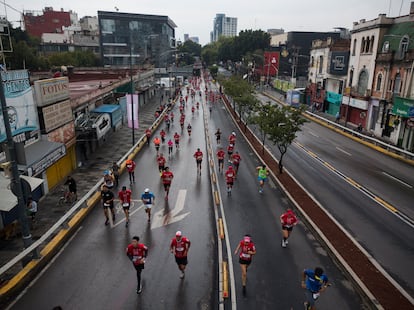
{"x":133,"y":39}
{"x":393,"y":84}
{"x":223,"y":26}
{"x":47,"y":21}
{"x":328,"y":68}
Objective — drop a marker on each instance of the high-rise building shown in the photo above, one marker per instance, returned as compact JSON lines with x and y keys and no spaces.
{"x":224,"y":26}
{"x":130,"y":39}
{"x":186,"y":37}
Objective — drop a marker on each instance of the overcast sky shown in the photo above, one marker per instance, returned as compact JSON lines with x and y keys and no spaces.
{"x":196,"y":17}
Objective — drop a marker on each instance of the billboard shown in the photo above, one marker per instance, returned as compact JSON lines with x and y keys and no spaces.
{"x":21,"y":108}
{"x":338,"y":64}
{"x":132,"y":106}
{"x":271,"y":63}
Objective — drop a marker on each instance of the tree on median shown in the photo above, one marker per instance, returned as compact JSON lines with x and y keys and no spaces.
{"x":280,"y":125}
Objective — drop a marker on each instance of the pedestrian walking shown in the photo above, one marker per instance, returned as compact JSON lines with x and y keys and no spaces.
{"x":108,"y":203}
{"x":179,"y":247}
{"x":315,"y":282}
{"x":137,"y":253}
{"x":288,"y":221}
{"x":247,"y":250}
{"x":31,"y":208}
{"x":337,"y":117}
{"x":124,"y":196}
{"x":148,"y":199}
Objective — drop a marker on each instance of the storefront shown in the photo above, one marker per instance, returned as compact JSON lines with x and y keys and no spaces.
{"x":403,"y":110}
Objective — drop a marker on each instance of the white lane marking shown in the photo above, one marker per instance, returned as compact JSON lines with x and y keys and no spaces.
{"x":162,"y":219}
{"x":396,"y":179}
{"x":343,"y":151}
{"x":313,"y":134}
{"x":130,"y":213}
{"x":42,"y":272}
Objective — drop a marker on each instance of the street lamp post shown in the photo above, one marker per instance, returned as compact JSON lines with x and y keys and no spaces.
{"x":132,"y":87}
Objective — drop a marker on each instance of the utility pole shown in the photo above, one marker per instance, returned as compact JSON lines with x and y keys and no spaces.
{"x":132,"y":87}
{"x":15,"y":183}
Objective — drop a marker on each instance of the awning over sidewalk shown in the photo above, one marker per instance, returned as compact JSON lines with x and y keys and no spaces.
{"x":8,"y":200}
{"x":42,"y":154}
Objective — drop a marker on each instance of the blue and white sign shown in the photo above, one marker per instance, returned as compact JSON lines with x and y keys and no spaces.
{"x":21,"y":107}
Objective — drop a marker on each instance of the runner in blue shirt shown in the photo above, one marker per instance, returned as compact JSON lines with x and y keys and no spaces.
{"x":315,"y":282}
{"x":148,"y":199}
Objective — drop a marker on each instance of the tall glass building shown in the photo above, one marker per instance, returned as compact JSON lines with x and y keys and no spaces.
{"x":131,"y":39}
{"x":224,"y":26}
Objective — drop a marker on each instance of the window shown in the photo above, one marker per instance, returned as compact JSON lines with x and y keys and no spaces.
{"x":312,"y":61}
{"x":379,"y":82}
{"x":367,"y":44}
{"x":351,"y":77}
{"x":404,"y":46}
{"x":386,"y":47}
{"x":320,"y":63}
{"x":362,"y":45}
{"x":397,"y":84}
{"x":354,"y":47}
{"x":362,"y":82}
{"x":371,"y":45}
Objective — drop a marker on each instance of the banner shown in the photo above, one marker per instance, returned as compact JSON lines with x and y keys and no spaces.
{"x":132,"y":106}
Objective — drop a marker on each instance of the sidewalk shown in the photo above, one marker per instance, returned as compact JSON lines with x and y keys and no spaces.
{"x":86,"y":176}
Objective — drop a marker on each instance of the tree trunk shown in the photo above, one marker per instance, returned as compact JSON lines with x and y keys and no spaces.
{"x":280,"y":163}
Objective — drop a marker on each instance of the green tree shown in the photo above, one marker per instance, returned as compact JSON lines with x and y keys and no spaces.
{"x":241,"y":93}
{"x":280,"y":124}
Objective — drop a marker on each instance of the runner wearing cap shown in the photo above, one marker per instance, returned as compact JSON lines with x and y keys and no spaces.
{"x":247,"y":250}
{"x":124,"y":196}
{"x":179,"y":247}
{"x":232,"y":138}
{"x":130,"y":165}
{"x":148,"y":199}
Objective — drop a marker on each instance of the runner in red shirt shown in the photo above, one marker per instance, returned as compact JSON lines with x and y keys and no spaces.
{"x":247,"y":250}
{"x":167,"y":177}
{"x":124,"y":196}
{"x":162,"y":134}
{"x":161,"y":163}
{"x":179,"y":247}
{"x":230,"y":150}
{"x":232,"y":138}
{"x":220,"y":157}
{"x":137,"y":252}
{"x":198,"y":155}
{"x":148,"y":135}
{"x":288,"y":221}
{"x":236,"y":158}
{"x":182,"y":120}
{"x":177,"y":140}
{"x":230,"y":175}
{"x":130,"y":165}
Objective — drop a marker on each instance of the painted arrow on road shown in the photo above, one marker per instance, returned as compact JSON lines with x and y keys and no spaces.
{"x":161,"y":218}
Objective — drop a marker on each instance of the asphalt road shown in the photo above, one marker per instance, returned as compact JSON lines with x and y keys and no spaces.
{"x":92,"y":271}
{"x":386,"y":237}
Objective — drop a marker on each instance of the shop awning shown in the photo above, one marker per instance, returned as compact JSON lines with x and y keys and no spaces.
{"x":8,"y":200}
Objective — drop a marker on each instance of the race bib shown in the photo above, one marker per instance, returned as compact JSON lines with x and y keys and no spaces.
{"x":245,"y":255}
{"x":106,"y":204}
{"x":125,"y":204}
{"x":179,"y":249}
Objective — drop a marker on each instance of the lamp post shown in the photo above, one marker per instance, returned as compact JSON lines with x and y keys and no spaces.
{"x":132,"y":86}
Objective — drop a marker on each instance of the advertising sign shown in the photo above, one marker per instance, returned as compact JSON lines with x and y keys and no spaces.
{"x":338,"y":63}
{"x":271,"y":63}
{"x":51,"y":90}
{"x":56,"y":115}
{"x":134,"y":104}
{"x":21,"y":108}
